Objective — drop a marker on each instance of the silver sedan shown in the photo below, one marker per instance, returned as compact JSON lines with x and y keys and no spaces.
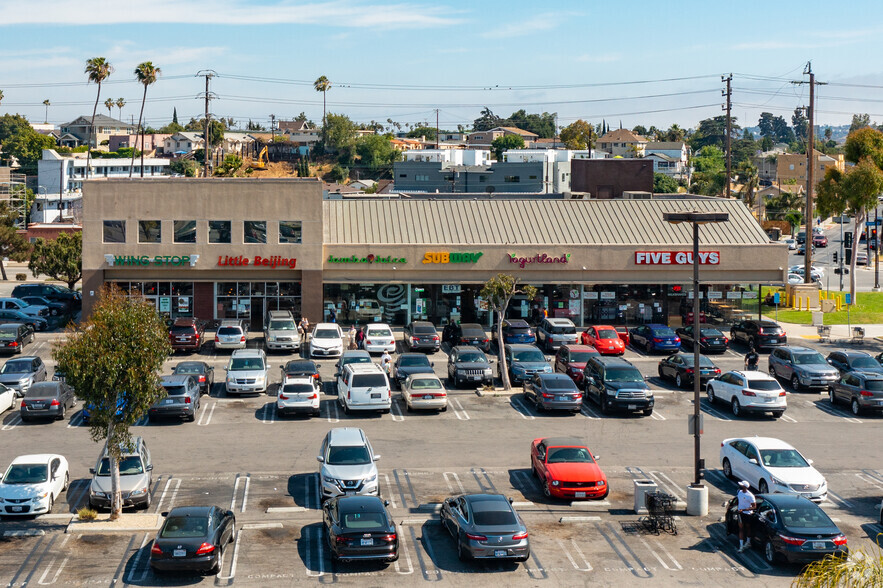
{"x":553,"y":392}
{"x":485,"y":526}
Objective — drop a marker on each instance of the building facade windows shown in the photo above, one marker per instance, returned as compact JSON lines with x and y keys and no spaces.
{"x":185,"y":231}
{"x":149,"y":231}
{"x":219,"y":231}
{"x":171,"y":299}
{"x":114,"y":231}
{"x":290,"y":232}
{"x":255,"y":231}
{"x":251,"y":301}
{"x":421,"y":177}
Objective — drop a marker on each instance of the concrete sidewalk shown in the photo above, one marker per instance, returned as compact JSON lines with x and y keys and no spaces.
{"x":839,"y":333}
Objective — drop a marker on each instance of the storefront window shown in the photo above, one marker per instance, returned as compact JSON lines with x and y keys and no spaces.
{"x":171,"y":299}
{"x":219,"y":231}
{"x":185,"y":231}
{"x":114,"y":231}
{"x":251,"y":301}
{"x":149,"y":231}
{"x":366,"y":303}
{"x":255,"y":231}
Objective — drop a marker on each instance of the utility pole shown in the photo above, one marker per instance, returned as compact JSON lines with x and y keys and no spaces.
{"x":436,"y":128}
{"x":208,"y":74}
{"x":273,"y":126}
{"x":729,"y":108}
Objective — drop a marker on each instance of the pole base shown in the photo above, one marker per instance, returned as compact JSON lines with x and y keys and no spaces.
{"x":697,"y":500}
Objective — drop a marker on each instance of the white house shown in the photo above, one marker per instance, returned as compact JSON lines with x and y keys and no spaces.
{"x":671,"y":158}
{"x":182,"y":143}
{"x":52,"y":208}
{"x":56,"y":173}
{"x":450,"y":156}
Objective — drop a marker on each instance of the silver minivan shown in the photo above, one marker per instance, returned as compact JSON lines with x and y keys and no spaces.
{"x":363,"y":386}
{"x":135,"y":477}
{"x":280,"y":331}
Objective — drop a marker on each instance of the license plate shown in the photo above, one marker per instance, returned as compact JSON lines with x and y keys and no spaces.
{"x":611,"y":347}
{"x":16,"y":508}
{"x":367,"y":542}
{"x":774,"y":340}
{"x":818,"y":545}
{"x":182,"y":339}
{"x":562,"y":398}
{"x":179,"y":553}
{"x":474,"y":377}
{"x":475,"y":341}
{"x":375,"y":395}
{"x":168,"y":401}
{"x":579,"y":494}
{"x":37,"y":405}
{"x":427,"y":397}
{"x":633,"y":407}
{"x":499,"y":553}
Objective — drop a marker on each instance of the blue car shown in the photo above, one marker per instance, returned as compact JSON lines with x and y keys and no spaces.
{"x":655,"y":337}
{"x":88,"y":407}
{"x":516,"y":331}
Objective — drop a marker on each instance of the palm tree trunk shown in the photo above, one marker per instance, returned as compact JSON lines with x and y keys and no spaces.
{"x":140,"y":118}
{"x":91,"y":131}
{"x":323,"y":116}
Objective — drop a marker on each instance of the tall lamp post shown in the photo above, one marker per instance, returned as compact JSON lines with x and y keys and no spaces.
{"x":696,"y":218}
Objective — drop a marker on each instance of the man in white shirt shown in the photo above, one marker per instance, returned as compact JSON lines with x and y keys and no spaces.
{"x":385,"y":361}
{"x":746,"y":503}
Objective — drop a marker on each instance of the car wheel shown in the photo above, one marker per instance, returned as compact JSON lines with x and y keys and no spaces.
{"x":763,"y":487}
{"x":648,"y":412}
{"x":769,"y":552}
{"x":709,"y":391}
{"x":773,"y":373}
{"x":737,"y":409}
{"x":795,"y":383}
{"x":679,"y":382}
{"x":67,"y":481}
{"x":832,"y":396}
{"x":778,"y":414}
{"x":660,"y":372}
{"x":60,"y":416}
{"x":538,"y":404}
{"x":728,"y":469}
{"x":547,"y":491}
{"x":216,"y":569}
{"x":51,"y":503}
{"x":462,"y":554}
{"x":856,"y":407}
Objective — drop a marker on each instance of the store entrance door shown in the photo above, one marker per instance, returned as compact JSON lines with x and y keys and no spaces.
{"x":257,"y":314}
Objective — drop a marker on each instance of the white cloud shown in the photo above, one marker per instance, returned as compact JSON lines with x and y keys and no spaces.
{"x":339,"y":13}
{"x":540,"y":22}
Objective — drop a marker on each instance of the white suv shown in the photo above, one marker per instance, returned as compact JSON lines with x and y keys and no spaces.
{"x":378,"y":338}
{"x":348,"y":466}
{"x":363,"y":386}
{"x":748,"y":391}
{"x":326,"y":340}
{"x":248,"y":372}
{"x":298,"y":395}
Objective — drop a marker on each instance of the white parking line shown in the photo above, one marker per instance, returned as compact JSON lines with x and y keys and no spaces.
{"x":663,"y":480}
{"x":675,"y":563}
{"x":76,"y":420}
{"x":42,"y":580}
{"x":172,"y":497}
{"x":245,"y":494}
{"x":589,"y":413}
{"x":525,"y":480}
{"x":584,"y":565}
{"x":391,"y":495}
{"x":247,"y":479}
{"x":656,"y":416}
{"x":396,"y":412}
{"x":403,"y":548}
{"x":333,"y":415}
{"x":869,"y":480}
{"x":459,"y":410}
{"x":718,"y":414}
{"x":320,"y":563}
{"x":130,"y":578}
{"x":832,"y":411}
{"x":235,"y":558}
{"x":269,"y":415}
{"x":837,"y":498}
{"x":521,"y":409}
{"x":456,"y":479}
{"x":788,"y":419}
{"x":16,"y":420}
{"x":205,"y":416}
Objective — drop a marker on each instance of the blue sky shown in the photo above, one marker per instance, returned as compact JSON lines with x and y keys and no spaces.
{"x":402,"y":59}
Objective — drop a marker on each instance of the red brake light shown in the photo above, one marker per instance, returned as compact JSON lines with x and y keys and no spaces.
{"x":703,"y":339}
{"x":792,"y":540}
{"x":546,"y":395}
{"x":343,"y":540}
{"x":840,"y":540}
{"x":202,"y":378}
{"x":760,"y":330}
{"x":14,"y":344}
{"x":717,"y":370}
{"x":689,"y":370}
{"x":677,"y":339}
{"x":316,"y":375}
{"x":314,"y":396}
{"x":282,"y":396}
{"x":187,"y":400}
{"x":155,"y":550}
{"x":23,"y":405}
{"x":782,"y":393}
{"x":748,"y":393}
{"x":390,"y":538}
{"x":54,"y":402}
{"x":866,"y":393}
{"x":476,"y":537}
{"x":435,"y":337}
{"x":657,"y":340}
{"x":519,"y":536}
{"x":242,"y":339}
{"x":205,"y":548}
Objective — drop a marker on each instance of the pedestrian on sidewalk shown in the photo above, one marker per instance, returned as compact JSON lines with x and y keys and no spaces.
{"x":352,"y":336}
{"x":746,"y":503}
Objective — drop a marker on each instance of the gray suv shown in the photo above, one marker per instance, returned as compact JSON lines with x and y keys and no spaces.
{"x":803,"y":367}
{"x":280,"y":331}
{"x":555,"y":332}
{"x":524,"y":361}
{"x":469,"y":364}
{"x":135,"y":477}
{"x":862,"y":390}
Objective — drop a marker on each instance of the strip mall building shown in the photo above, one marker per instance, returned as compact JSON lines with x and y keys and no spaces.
{"x":237,"y":248}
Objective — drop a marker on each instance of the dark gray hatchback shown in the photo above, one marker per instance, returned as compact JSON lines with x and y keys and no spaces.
{"x":49,"y":400}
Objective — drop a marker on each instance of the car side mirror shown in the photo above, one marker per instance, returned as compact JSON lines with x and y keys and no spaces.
{"x":376,"y":457}
{"x":336,"y":374}
{"x":386,"y":503}
{"x":752,"y":460}
{"x":92,"y":471}
{"x":149,"y":468}
{"x":165,"y":513}
{"x":269,"y":366}
{"x":597,"y":457}
{"x":431,"y":364}
{"x":228,"y":513}
{"x":320,"y":459}
{"x":510,"y":500}
{"x":809,"y":461}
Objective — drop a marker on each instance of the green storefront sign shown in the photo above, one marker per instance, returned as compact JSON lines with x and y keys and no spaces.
{"x":146,"y":260}
{"x":370,"y":258}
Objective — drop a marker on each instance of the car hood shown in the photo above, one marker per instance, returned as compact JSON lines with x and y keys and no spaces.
{"x":22,"y":490}
{"x":349,"y":472}
{"x":529,"y":365}
{"x":627,"y":385}
{"x":415,"y":369}
{"x":817,"y":370}
{"x":14,"y":378}
{"x":246,"y":373}
{"x":576,"y":365}
{"x":472,"y":365}
{"x":127,"y":483}
{"x":575,"y":472}
{"x":797,"y":475}
{"x":325,"y":343}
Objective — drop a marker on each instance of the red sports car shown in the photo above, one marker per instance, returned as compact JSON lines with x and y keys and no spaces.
{"x":567,"y":469}
{"x":605,"y":339}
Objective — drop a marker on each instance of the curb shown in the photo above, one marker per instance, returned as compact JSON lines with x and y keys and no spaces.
{"x":104,"y":527}
{"x":498,"y":392}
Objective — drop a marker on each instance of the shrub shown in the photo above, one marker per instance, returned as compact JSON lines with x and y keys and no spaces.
{"x":87,"y":514}
{"x":21,"y":277}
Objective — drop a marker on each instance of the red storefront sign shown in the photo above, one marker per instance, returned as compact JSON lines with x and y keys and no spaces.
{"x":675,"y":257}
{"x":271,"y":262}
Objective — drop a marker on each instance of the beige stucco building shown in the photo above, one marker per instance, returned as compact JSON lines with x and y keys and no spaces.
{"x":792,"y":166}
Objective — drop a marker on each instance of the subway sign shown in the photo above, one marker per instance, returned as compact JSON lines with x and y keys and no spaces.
{"x":676,"y":257}
{"x":147,"y":260}
{"x":449,"y":257}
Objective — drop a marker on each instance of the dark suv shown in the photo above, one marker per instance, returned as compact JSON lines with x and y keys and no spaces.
{"x":51,"y":292}
{"x":187,"y":334}
{"x":469,"y":364}
{"x":615,"y":384}
{"x":466,"y":334}
{"x":759,"y":333}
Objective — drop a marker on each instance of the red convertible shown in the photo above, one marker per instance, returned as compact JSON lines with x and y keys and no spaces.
{"x":567,"y":469}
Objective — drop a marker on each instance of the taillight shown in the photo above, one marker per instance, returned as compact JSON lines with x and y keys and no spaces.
{"x":413,"y":340}
{"x":187,"y":400}
{"x":201,"y":379}
{"x":677,"y":339}
{"x":435,"y":337}
{"x":205,"y":548}
{"x":316,"y":375}
{"x":282,"y":396}
{"x":792,"y":540}
{"x":242,"y":339}
{"x":368,"y":342}
{"x":748,"y":393}
{"x":156,"y":550}
{"x":717,"y":370}
{"x":14,"y":344}
{"x":726,"y":341}
{"x":342,"y":540}
{"x":760,"y":331}
{"x":314,"y":396}
{"x":197,"y":336}
{"x":23,"y":405}
{"x":519,"y":536}
{"x":389,"y":538}
{"x":782,"y":393}
{"x":839,"y":540}
{"x":866,"y":393}
{"x":657,"y":340}
{"x":55,"y":402}
{"x":546,"y":395}
{"x":476,"y":537}
{"x":487,"y":340}
{"x":704,"y":339}
{"x":689,"y":370}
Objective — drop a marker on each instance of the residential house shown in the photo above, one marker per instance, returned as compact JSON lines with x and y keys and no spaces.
{"x":485,"y":138}
{"x":609,"y":178}
{"x":152,"y":142}
{"x":300,"y":132}
{"x":623,"y":143}
{"x":52,"y":208}
{"x":363,"y":184}
{"x":792,"y":166}
{"x":57,"y":173}
{"x":671,"y":158}
{"x":105,"y":126}
{"x":182,"y":143}
{"x":237,"y":143}
{"x":408,"y":144}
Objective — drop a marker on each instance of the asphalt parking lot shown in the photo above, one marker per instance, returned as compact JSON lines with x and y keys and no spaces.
{"x":238,"y":455}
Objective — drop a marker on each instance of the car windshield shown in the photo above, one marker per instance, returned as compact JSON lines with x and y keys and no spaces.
{"x":363,"y":521}
{"x":581,"y":356}
{"x":184,"y":527}
{"x":517,"y":330}
{"x":298,"y":388}
{"x":563,"y":330}
{"x":348,"y":455}
{"x":229,"y":331}
{"x":300,"y":367}
{"x":246,"y":363}
{"x":865,"y":362}
{"x":16,"y":367}
{"x":476,"y":332}
{"x":663,"y":332}
{"x":625,"y":374}
{"x":42,"y":390}
{"x":569,"y":455}
{"x":423,"y":330}
{"x":413,"y":360}
{"x":805,"y":516}
{"x":564,"y":383}
{"x":282,"y":325}
{"x":23,"y":473}
{"x":379,"y":333}
{"x":763,"y":385}
{"x":369,"y":381}
{"x":529,"y":355}
{"x":188,"y":368}
{"x":471,"y":356}
{"x":182,"y":329}
{"x":782,"y":458}
{"x":176,"y":390}
{"x":355,"y":359}
{"x":326,"y":334}
{"x":703,"y":361}
{"x":607,"y":334}
{"x":491,"y":518}
{"x":130,"y":465}
{"x":425,"y":384}
{"x":808,"y":359}
{"x":8,"y":333}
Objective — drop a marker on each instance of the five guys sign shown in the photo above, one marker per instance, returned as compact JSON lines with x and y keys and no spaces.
{"x":675,"y":257}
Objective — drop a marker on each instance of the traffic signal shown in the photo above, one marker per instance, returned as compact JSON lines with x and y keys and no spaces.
{"x":847,"y":256}
{"x":835,"y":257}
{"x":847,"y":239}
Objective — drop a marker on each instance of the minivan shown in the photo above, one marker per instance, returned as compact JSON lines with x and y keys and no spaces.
{"x":135,"y":477}
{"x":280,"y":331}
{"x":363,"y":386}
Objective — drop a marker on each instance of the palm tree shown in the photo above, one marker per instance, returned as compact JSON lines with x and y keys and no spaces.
{"x":109,"y":104}
{"x":120,"y":103}
{"x":322,"y":84}
{"x":97,"y":70}
{"x":146,"y":73}
{"x":46,"y":104}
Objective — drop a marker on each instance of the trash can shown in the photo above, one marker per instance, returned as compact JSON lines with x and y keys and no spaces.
{"x":642,"y":487}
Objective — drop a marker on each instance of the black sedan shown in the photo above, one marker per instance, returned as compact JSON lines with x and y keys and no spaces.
{"x":407,"y":364}
{"x":360,"y":528}
{"x":14,"y":337}
{"x":711,"y":340}
{"x":301,"y":368}
{"x":47,"y":400}
{"x":485,"y":526}
{"x":789,"y":527}
{"x":203,"y":372}
{"x":193,"y":539}
{"x":679,"y":367}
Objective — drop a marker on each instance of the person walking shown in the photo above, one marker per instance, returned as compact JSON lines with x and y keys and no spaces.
{"x":360,"y":338}
{"x":751,"y":359}
{"x":386,"y":362}
{"x":305,"y":327}
{"x":332,"y":315}
{"x":746,"y":503}
{"x":352,"y":337}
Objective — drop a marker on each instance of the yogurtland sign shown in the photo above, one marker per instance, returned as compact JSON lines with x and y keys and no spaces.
{"x":676,"y":257}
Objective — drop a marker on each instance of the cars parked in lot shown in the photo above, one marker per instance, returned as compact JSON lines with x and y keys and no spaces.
{"x":21,"y":373}
{"x":298,"y":395}
{"x":351,"y":356}
{"x":136,"y":478}
{"x":363,"y":387}
{"x":302,"y":367}
{"x":789,"y":527}
{"x":201,"y":371}
{"x":360,"y":528}
{"x":681,"y":369}
{"x":571,"y":360}
{"x":248,"y":372}
{"x":14,"y":337}
{"x":771,"y":465}
{"x":759,"y":333}
{"x":861,"y":258}
{"x":280,"y":331}
{"x":485,"y":526}
{"x":424,"y":392}
{"x":52,"y":292}
{"x":623,"y":332}
{"x":654,"y":337}
{"x":7,"y":398}
{"x":862,"y":391}
{"x":748,"y":392}
{"x":347,"y":464}
{"x":791,"y":243}
{"x":421,"y":335}
{"x":47,"y":400}
{"x":615,"y":384}
{"x":567,"y":469}
{"x":466,"y":334}
{"x":549,"y":391}
{"x":32,"y":484}
{"x":193,"y":539}
{"x":55,"y":308}
{"x":38,"y":323}
{"x":19,"y":304}
{"x":409,"y":364}
{"x":469,"y":364}
{"x":515,"y":331}
{"x":803,"y":367}
{"x":523,"y":361}
{"x":711,"y":340}
{"x":849,"y":361}
{"x":187,"y":334}
{"x":378,"y":338}
{"x":326,"y":340}
{"x":604,"y":339}
{"x":181,"y":401}
{"x":231,"y":334}
{"x":555,"y":332}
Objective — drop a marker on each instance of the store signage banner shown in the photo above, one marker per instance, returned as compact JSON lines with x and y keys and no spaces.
{"x":543,"y":258}
{"x":146,"y":260}
{"x":271,"y":262}
{"x":370,"y":258}
{"x":449,"y":257}
{"x":675,"y":257}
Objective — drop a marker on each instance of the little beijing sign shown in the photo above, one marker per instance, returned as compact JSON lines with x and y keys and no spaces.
{"x":675,"y":257}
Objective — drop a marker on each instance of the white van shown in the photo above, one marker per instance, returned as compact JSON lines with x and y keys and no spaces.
{"x":363,"y":386}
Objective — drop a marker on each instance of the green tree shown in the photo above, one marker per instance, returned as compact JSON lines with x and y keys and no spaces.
{"x":60,"y":259}
{"x":674,"y":133}
{"x":120,"y":103}
{"x":338,"y":174}
{"x":713,"y":132}
{"x":794,"y":218}
{"x":866,"y":142}
{"x":146,"y":73}
{"x":663,"y":184}
{"x":171,"y":128}
{"x":229,"y":166}
{"x":109,"y":104}
{"x":12,"y":125}
{"x":578,"y":135}
{"x":800,"y":123}
{"x":641,"y":130}
{"x":423,"y":131}
{"x":97,"y":70}
{"x":46,"y":103}
{"x":12,"y":244}
{"x":112,"y":361}
{"x":340,"y":131}
{"x":748,"y":177}
{"x":709,"y":176}
{"x":860,"y":121}
{"x":376,"y":151}
{"x":501,"y":144}
{"x":322,"y":84}
{"x":486,"y":121}
{"x":175,"y":115}
{"x":541,"y":124}
{"x":27,"y":148}
{"x":498,"y":291}
{"x":185,"y":167}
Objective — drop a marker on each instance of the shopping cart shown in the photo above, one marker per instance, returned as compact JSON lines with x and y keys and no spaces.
{"x":659,"y":513}
{"x":858,"y":335}
{"x":824,"y":333}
